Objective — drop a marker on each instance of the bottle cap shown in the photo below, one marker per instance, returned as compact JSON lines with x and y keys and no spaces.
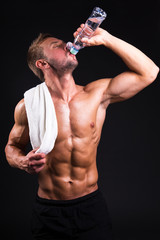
{"x":69,"y":45}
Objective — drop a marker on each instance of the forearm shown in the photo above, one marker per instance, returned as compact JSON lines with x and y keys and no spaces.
{"x":32,"y":162}
{"x":16,"y":157}
{"x":135,"y":60}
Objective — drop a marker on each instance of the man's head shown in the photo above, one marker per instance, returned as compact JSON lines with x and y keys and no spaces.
{"x":49,"y":53}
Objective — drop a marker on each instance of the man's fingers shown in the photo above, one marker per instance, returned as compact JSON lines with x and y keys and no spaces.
{"x":35,"y":166}
{"x":37,"y":163}
{"x":85,"y":40}
{"x":35,"y":169}
{"x":37,"y":156}
{"x":75,"y":34}
{"x":78,"y":30}
{"x":34,"y":150}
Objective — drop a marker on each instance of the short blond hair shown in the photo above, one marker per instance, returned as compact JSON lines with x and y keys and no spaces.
{"x":35,"y":52}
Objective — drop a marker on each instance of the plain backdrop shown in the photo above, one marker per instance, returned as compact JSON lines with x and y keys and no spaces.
{"x":128,"y":157}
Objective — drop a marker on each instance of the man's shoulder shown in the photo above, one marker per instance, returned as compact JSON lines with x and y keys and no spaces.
{"x":20,"y":106}
{"x":20,"y":113}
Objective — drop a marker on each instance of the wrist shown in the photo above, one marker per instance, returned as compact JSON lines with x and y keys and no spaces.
{"x":23,"y":163}
{"x":107,"y":39}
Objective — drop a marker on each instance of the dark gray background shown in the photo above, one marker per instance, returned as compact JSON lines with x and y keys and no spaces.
{"x":128,"y":154}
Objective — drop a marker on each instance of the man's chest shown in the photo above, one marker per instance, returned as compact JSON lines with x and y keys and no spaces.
{"x":78,"y":117}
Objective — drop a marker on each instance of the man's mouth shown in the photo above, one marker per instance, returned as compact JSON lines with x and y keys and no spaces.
{"x":68,"y":53}
{"x":73,"y":56}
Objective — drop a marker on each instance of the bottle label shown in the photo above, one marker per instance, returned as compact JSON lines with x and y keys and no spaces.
{"x":74,"y":50}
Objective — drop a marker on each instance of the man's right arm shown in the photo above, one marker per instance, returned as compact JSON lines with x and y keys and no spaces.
{"x":17,"y":142}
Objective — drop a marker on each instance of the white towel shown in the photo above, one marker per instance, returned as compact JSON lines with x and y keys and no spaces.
{"x":43,"y":128}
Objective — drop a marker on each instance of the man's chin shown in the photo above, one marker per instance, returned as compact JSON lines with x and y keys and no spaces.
{"x":71,"y":65}
{"x":66,"y":66}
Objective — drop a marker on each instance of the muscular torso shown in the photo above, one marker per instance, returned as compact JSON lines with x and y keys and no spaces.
{"x":71,"y":170}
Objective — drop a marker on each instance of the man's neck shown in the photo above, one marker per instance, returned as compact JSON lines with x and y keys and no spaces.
{"x":62,"y":87}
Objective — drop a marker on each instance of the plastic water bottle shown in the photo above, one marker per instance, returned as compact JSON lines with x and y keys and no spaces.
{"x":96,"y":18}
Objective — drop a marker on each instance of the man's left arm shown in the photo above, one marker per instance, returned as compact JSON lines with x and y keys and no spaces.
{"x":142,"y":70}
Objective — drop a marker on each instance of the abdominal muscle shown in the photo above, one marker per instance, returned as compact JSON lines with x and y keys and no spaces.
{"x":70,"y":171}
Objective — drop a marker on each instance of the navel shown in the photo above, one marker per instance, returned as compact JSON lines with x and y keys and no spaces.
{"x":70,"y":182}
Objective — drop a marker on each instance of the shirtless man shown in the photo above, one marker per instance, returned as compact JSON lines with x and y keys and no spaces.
{"x":68,"y":202}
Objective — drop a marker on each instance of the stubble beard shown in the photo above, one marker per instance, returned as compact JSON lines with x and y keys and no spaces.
{"x":63,"y":66}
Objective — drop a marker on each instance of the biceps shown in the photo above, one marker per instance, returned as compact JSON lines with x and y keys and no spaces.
{"x":125,"y":86}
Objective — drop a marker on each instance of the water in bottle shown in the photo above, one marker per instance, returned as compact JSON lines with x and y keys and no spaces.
{"x":92,"y":23}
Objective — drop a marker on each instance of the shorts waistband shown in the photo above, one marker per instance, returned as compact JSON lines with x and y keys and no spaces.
{"x":67,"y":202}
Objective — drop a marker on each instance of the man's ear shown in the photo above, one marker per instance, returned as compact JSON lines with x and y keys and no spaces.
{"x":42,"y":64}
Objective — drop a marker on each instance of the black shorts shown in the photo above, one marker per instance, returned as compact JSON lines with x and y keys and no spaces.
{"x":84,"y":218}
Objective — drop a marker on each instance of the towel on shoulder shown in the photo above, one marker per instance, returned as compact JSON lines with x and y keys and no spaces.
{"x":42,"y":120}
